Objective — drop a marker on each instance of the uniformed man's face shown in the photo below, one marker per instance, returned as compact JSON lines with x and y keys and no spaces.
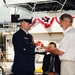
{"x":26,"y":26}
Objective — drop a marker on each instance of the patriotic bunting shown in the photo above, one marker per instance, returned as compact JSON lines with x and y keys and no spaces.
{"x":57,"y":20}
{"x":47,"y":22}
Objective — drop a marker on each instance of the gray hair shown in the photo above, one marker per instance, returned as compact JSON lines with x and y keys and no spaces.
{"x":66,"y":17}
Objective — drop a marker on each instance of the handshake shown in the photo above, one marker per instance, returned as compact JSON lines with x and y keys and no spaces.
{"x":39,"y":47}
{"x":39,"y":43}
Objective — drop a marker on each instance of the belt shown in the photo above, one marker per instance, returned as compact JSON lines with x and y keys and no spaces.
{"x":67,"y":61}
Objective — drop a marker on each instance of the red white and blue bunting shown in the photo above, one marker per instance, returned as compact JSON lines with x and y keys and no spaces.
{"x":46,"y":21}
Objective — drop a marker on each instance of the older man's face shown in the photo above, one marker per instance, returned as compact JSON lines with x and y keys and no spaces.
{"x":63,"y":24}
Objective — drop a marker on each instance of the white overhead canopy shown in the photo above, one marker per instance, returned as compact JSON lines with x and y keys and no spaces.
{"x":22,"y":1}
{"x":1,"y":3}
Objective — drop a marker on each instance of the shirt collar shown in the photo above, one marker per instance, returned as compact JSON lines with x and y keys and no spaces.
{"x":25,"y":31}
{"x":67,"y":29}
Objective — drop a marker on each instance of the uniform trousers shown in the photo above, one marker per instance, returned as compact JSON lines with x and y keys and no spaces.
{"x":67,"y":67}
{"x":23,"y":73}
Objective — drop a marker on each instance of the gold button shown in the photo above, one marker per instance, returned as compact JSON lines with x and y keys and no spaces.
{"x":26,"y":42}
{"x":31,"y":46}
{"x":23,"y":59}
{"x":31,"y":43}
{"x":24,"y":49}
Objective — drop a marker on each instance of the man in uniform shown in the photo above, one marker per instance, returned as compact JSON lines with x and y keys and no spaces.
{"x":24,"y":49}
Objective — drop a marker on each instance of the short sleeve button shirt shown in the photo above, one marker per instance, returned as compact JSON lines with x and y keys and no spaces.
{"x":67,"y":45}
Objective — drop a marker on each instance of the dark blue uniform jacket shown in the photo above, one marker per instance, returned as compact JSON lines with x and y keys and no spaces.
{"x":24,"y":49}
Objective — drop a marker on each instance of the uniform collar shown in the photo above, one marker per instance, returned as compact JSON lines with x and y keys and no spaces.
{"x":67,"y":29}
{"x":25,"y":31}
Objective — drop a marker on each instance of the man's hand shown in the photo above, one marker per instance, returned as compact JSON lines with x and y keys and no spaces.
{"x":39,"y":43}
{"x":39,"y":47}
{"x":50,"y":48}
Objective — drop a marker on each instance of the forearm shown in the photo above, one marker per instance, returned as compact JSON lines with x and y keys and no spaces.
{"x":57,"y":52}
{"x":54,"y":51}
{"x":45,"y":47}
